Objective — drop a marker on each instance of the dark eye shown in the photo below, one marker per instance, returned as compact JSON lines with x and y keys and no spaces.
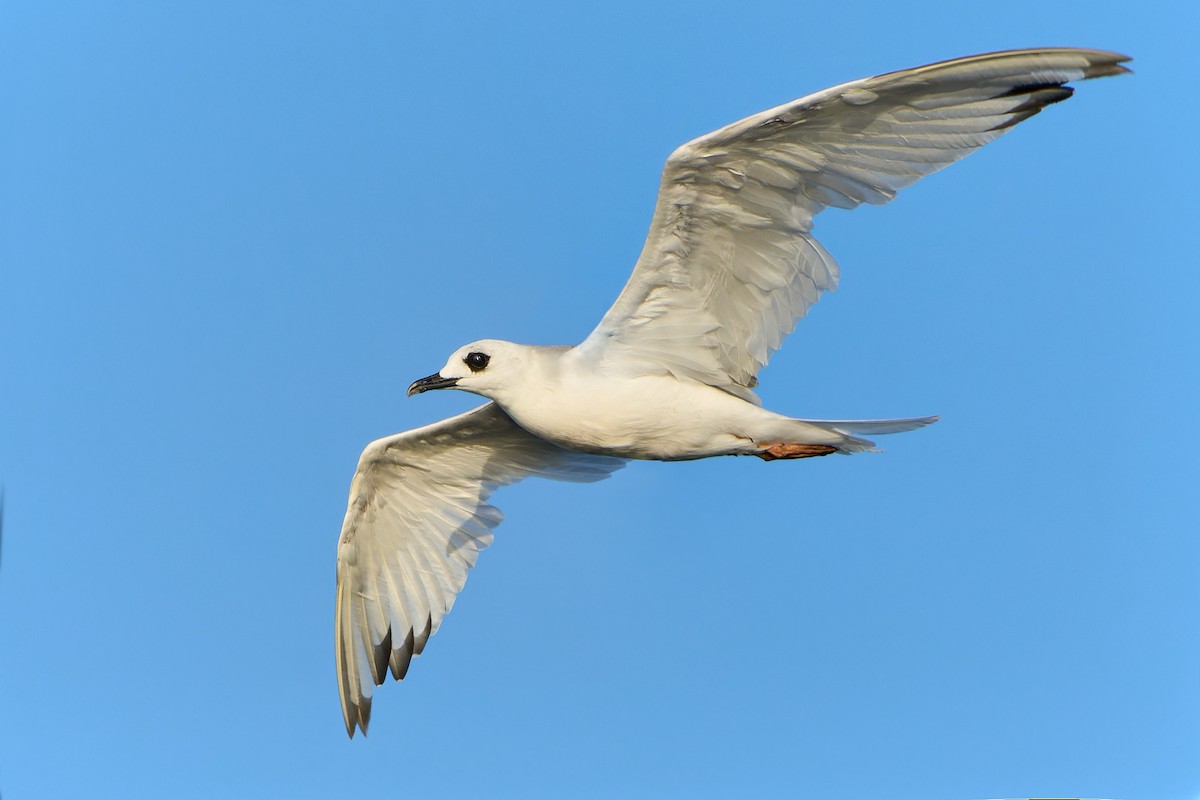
{"x":477,"y":361}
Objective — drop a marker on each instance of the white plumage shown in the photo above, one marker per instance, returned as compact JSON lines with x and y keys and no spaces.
{"x":728,"y":267}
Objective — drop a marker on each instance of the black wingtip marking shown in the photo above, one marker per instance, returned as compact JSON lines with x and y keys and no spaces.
{"x":1034,"y":88}
{"x":423,"y":636}
{"x":381,"y":656}
{"x":402,"y":658}
{"x":1037,"y":96}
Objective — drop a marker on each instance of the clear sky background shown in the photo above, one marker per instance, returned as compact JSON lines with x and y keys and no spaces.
{"x":232,"y":233}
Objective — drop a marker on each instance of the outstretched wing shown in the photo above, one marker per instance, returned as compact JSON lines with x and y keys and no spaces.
{"x":729,"y":265}
{"x":417,"y":518}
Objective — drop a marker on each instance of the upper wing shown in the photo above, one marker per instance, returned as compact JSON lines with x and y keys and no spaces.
{"x":417,"y":519}
{"x":729,"y":265}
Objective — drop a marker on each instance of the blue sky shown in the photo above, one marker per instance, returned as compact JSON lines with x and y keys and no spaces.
{"x":231,"y":234}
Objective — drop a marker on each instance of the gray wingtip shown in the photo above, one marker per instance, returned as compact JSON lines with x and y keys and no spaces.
{"x":1111,"y":64}
{"x":357,"y":716}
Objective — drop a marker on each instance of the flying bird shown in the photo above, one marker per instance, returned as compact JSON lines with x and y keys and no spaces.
{"x":728,"y":267}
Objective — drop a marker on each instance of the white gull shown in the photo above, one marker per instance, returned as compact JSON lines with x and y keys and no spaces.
{"x":728,"y":268}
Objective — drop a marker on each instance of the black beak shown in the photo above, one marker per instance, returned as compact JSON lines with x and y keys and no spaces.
{"x":434,"y":381}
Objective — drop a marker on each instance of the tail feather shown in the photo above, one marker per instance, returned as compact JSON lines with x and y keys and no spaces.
{"x":849,"y":430}
{"x":874,"y":427}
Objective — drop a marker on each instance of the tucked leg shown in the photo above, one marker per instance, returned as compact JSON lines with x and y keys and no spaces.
{"x":795,"y":451}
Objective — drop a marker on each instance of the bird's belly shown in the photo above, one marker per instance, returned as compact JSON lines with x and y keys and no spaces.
{"x":642,"y":422}
{"x":636,"y":442}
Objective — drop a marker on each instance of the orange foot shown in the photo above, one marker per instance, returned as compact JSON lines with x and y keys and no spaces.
{"x":795,"y":451}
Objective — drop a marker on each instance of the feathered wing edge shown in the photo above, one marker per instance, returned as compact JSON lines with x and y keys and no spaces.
{"x":416,"y":521}
{"x":735,"y":206}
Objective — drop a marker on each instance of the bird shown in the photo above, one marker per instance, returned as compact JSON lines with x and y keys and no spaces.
{"x":728,"y":268}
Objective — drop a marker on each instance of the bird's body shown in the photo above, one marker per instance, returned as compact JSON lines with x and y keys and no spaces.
{"x":565,"y":397}
{"x":729,"y":266}
{"x":653,"y":417}
{"x":647,"y":417}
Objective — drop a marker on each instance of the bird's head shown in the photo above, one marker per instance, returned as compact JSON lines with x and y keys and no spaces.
{"x":486,"y":367}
